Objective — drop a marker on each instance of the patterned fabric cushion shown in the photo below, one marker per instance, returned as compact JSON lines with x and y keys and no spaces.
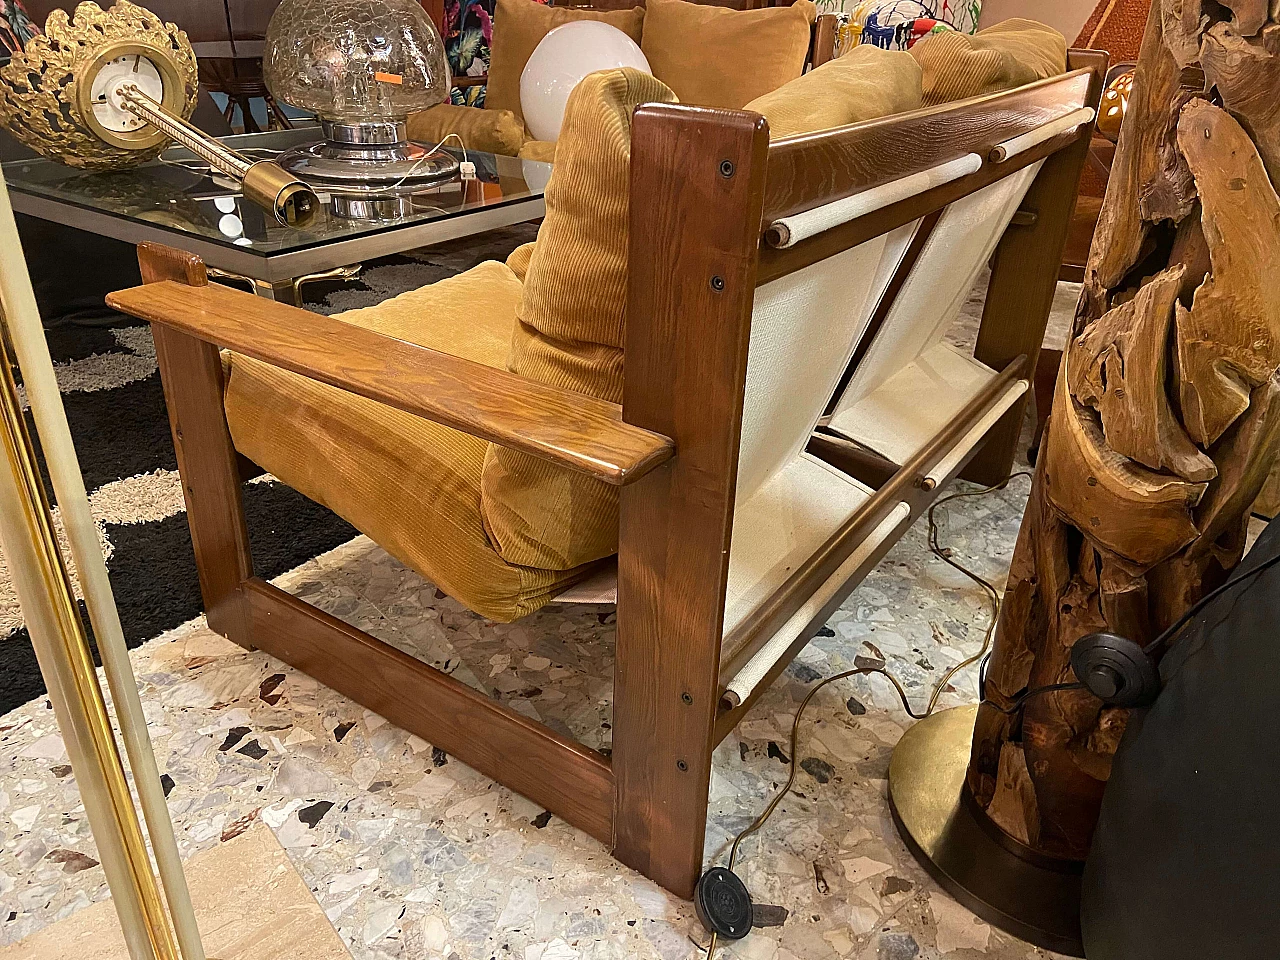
{"x":572,"y":325}
{"x":718,"y":57}
{"x":900,"y":24}
{"x":16,"y":27}
{"x":864,"y":84}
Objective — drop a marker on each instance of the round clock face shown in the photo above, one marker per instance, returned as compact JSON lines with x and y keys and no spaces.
{"x":104,"y":94}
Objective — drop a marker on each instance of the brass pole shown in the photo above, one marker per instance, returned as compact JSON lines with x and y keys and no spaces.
{"x":62,"y":649}
{"x":58,"y":635}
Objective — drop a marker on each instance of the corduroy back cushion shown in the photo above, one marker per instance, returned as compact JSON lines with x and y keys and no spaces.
{"x":1001,"y":57}
{"x":518,"y":28}
{"x":864,"y":84}
{"x":572,"y":320}
{"x":717,"y":57}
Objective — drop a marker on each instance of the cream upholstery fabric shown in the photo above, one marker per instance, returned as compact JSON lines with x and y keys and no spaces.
{"x":778,"y":528}
{"x":410,"y":485}
{"x":804,"y":328}
{"x":877,"y":408}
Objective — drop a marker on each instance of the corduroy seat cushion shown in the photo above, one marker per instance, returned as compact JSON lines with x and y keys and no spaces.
{"x":864,"y":84}
{"x":1011,"y":53}
{"x":410,"y":485}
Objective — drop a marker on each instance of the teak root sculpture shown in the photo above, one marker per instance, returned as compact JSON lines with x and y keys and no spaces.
{"x":1166,"y":417}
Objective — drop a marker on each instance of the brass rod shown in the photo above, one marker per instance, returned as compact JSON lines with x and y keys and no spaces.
{"x":64,"y":652}
{"x":20,"y":327}
{"x":173,"y":126}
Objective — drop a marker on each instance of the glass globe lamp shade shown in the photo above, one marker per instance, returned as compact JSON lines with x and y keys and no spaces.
{"x":362,"y":66}
{"x":355,"y":60}
{"x":561,"y":60}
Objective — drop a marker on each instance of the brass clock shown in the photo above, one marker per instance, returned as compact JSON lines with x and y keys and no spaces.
{"x":61,"y":95}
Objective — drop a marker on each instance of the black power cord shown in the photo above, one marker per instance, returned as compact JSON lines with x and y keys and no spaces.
{"x":723,"y":903}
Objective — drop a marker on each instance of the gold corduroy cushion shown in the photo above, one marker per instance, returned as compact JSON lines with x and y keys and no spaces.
{"x":410,"y":485}
{"x":518,"y":28}
{"x":864,"y":84}
{"x":542,"y":150}
{"x":489,"y":131}
{"x":717,"y":57}
{"x":1001,"y":57}
{"x":572,"y":323}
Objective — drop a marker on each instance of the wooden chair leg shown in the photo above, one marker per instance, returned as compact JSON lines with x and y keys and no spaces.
{"x":692,"y":286}
{"x":191,"y":371}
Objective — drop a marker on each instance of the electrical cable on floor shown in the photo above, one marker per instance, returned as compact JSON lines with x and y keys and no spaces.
{"x":993,"y":596}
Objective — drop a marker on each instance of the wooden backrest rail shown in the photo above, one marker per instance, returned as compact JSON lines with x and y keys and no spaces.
{"x":812,"y":170}
{"x":754,"y":632}
{"x":788,"y":231}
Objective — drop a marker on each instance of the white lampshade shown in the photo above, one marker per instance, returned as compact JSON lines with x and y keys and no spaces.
{"x":567,"y":54}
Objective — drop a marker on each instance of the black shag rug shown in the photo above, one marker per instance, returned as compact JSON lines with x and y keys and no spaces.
{"x":115,"y":406}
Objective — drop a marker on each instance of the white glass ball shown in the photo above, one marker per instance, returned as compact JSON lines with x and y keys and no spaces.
{"x":567,"y":54}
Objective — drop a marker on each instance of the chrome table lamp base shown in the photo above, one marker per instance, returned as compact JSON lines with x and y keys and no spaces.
{"x":368,"y":157}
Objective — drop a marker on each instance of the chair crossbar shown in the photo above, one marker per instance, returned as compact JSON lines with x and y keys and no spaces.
{"x":1067,"y":123}
{"x":788,"y":231}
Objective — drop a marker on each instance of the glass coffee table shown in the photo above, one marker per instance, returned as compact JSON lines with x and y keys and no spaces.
{"x":175,"y":201}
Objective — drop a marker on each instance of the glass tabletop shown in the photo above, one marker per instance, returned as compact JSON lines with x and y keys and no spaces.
{"x":177,"y":192}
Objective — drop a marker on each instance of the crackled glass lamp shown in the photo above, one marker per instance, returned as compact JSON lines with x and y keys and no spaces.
{"x":362,"y":66}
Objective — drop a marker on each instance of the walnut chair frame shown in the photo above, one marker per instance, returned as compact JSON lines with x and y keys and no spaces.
{"x":705,"y":185}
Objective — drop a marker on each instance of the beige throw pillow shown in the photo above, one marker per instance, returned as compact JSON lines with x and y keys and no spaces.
{"x":864,"y":84}
{"x":717,"y":57}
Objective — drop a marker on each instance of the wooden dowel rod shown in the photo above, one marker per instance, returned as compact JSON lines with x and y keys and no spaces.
{"x":746,"y":639}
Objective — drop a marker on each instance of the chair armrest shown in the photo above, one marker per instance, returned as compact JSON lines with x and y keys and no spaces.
{"x":563,"y":427}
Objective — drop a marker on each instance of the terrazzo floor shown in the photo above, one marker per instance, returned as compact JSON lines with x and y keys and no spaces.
{"x":414,"y":855}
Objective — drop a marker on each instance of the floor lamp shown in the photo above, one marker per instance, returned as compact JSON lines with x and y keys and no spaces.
{"x":58,"y":634}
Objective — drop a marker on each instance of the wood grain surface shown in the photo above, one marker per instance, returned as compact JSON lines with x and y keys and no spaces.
{"x":691,"y":290}
{"x":566,"y":428}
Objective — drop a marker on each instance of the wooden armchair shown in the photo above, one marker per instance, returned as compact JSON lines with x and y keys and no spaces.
{"x":769,"y":284}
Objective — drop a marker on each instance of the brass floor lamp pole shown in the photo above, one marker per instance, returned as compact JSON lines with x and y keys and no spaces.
{"x":43,"y":586}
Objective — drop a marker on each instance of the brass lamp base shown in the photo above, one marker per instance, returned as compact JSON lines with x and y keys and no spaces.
{"x":1025,"y":893}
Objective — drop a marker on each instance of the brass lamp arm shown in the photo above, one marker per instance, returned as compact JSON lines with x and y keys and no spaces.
{"x":264,"y":182}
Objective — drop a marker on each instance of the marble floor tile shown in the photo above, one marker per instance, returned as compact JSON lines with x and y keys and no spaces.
{"x":412,"y":854}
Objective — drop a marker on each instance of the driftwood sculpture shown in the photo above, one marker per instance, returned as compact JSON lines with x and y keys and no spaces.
{"x":1166,"y":417}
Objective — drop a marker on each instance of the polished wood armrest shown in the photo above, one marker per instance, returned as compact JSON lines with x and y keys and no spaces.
{"x":558,"y":425}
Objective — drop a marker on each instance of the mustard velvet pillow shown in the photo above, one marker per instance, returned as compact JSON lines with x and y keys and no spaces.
{"x":571,"y":326}
{"x":864,"y":84}
{"x":717,"y":57}
{"x":518,"y":28}
{"x":1001,"y":57}
{"x":490,"y":131}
